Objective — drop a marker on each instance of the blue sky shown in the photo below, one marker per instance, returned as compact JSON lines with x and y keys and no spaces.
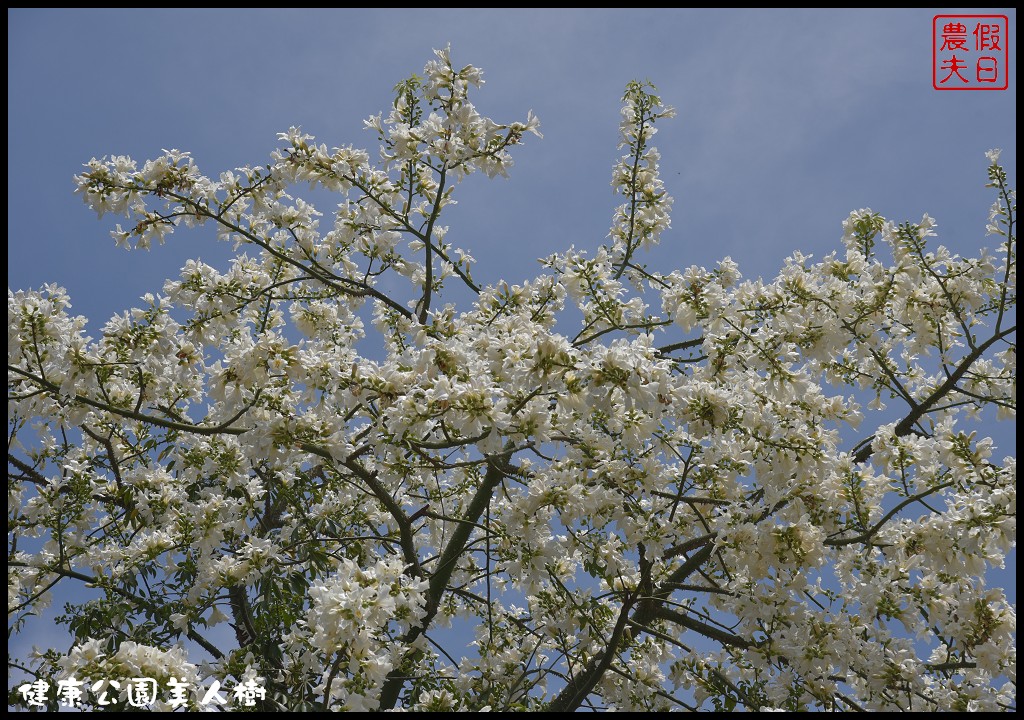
{"x":788,"y":120}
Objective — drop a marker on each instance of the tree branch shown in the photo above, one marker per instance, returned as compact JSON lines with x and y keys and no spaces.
{"x":446,"y":565}
{"x":906,"y":426}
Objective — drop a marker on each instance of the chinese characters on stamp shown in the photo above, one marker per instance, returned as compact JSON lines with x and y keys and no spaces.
{"x":970,"y":52}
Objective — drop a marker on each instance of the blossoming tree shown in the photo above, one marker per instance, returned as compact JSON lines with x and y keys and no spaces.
{"x":620,"y":487}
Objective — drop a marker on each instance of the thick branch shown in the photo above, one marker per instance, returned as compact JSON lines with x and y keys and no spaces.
{"x":708,"y":631}
{"x":401,"y":519}
{"x":579,"y":687}
{"x":570,"y":698}
{"x":906,"y":426}
{"x":29,"y":472}
{"x":870,"y":532}
{"x":428,"y":281}
{"x":446,"y":565}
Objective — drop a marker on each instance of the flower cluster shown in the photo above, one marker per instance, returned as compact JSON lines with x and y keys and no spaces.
{"x":640,"y":221}
{"x":349,"y":616}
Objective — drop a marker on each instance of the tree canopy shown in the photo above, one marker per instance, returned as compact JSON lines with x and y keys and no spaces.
{"x":346,"y":472}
